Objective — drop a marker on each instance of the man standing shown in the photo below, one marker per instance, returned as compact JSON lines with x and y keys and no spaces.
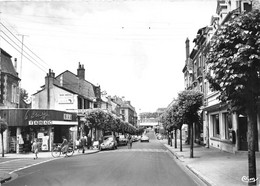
{"x":83,"y":143}
{"x":64,"y":145}
{"x":35,"y":148}
{"x":89,"y":141}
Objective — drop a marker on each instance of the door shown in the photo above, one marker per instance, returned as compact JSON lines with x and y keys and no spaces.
{"x":242,"y":135}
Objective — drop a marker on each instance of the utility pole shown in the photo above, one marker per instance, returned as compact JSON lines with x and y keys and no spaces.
{"x":21,"y":64}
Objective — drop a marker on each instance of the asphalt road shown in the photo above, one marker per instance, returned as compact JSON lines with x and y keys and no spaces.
{"x":145,"y":164}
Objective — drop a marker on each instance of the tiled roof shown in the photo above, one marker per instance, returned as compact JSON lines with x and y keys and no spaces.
{"x":70,"y":81}
{"x":6,"y":63}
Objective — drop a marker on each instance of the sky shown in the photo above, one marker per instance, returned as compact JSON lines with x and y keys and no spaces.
{"x":132,"y":48}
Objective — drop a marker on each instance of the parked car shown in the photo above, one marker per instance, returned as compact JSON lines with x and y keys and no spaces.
{"x":122,"y":140}
{"x":135,"y":138}
{"x":109,"y":143}
{"x":144,"y":138}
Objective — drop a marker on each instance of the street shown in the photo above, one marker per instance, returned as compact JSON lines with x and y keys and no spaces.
{"x":144,"y":164}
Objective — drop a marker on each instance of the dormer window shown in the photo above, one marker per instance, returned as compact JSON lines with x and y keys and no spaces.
{"x":247,"y":6}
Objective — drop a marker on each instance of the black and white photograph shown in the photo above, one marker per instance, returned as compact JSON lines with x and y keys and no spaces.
{"x":129,"y":92}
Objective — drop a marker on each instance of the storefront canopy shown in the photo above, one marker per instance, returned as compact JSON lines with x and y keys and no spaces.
{"x":25,"y":117}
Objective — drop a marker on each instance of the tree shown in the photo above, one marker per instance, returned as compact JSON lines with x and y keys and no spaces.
{"x":24,"y":99}
{"x":234,"y":62}
{"x":3,"y":127}
{"x":106,"y":121}
{"x":189,"y":103}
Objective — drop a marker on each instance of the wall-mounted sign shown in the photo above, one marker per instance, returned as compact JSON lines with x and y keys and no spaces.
{"x":36,"y":115}
{"x":39,"y":122}
{"x":66,"y":98}
{"x":67,"y":116}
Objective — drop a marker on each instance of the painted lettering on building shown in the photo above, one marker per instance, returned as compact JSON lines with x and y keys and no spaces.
{"x":36,"y":115}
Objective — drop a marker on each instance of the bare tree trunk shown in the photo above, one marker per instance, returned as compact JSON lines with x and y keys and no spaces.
{"x":180,"y":139}
{"x":175,"y":138}
{"x":191,"y":140}
{"x":189,"y":133}
{"x":2,"y":138}
{"x":251,"y":119}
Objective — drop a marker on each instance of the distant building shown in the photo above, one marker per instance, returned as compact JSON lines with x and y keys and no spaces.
{"x":127,"y":111}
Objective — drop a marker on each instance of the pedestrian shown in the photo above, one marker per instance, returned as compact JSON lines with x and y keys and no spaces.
{"x":35,"y":148}
{"x":83,"y":142}
{"x":130,"y":141}
{"x":89,"y":141}
{"x":78,"y":144}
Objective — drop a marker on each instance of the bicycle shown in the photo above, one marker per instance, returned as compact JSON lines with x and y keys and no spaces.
{"x":56,"y":151}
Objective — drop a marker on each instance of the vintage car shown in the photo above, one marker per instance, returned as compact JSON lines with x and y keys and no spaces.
{"x":122,"y":140}
{"x":109,"y":142}
{"x":144,"y":138}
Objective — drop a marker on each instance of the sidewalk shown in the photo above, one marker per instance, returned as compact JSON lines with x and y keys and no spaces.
{"x":5,"y":176}
{"x":215,"y":167}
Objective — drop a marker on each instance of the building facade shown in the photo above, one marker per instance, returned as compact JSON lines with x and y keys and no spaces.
{"x":221,"y":129}
{"x":127,"y":111}
{"x":69,"y":92}
{"x":9,"y":89}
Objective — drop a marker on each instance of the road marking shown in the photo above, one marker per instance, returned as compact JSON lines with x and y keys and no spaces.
{"x":9,"y":161}
{"x":138,"y":150}
{"x":31,"y":165}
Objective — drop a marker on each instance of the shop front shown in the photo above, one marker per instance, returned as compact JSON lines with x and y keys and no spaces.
{"x":48,"y":126}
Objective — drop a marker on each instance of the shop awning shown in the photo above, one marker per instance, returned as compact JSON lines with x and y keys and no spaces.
{"x":64,"y":123}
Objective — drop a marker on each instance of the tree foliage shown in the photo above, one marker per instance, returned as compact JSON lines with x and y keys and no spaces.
{"x":104,"y":120}
{"x":189,"y":103}
{"x":171,"y":118}
{"x":234,"y":60}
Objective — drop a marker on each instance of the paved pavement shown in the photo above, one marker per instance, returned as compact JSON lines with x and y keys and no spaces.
{"x":15,"y":162}
{"x":215,"y":167}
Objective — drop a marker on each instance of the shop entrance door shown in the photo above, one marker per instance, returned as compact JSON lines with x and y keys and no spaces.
{"x":242,"y":135}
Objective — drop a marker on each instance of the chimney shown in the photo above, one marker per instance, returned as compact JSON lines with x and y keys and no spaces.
{"x":81,"y":72}
{"x":187,"y":43}
{"x":49,"y":79}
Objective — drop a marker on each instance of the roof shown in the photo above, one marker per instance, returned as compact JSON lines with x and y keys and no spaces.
{"x":71,"y":82}
{"x":6,"y":64}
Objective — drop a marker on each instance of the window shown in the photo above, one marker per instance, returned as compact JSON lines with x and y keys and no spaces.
{"x":15,"y":94}
{"x":227,"y":124}
{"x":215,"y":122}
{"x":86,"y":104}
{"x":247,"y":7}
{"x":79,"y":103}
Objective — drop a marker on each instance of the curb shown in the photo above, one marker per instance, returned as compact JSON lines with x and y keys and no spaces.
{"x":195,"y":172}
{"x":4,"y":177}
{"x":199,"y":175}
{"x":175,"y":154}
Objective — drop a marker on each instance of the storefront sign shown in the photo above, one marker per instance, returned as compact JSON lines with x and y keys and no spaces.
{"x":67,"y":117}
{"x":33,"y":114}
{"x":39,"y":122}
